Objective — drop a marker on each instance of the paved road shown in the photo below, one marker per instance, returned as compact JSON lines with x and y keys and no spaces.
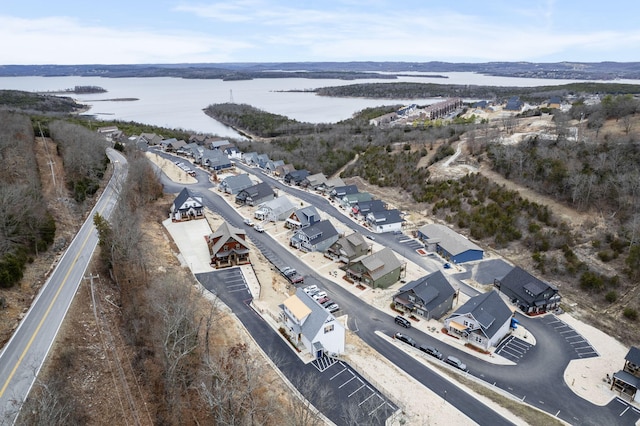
{"x":26,"y":351}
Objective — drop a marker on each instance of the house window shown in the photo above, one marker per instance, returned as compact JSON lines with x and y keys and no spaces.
{"x":328,"y":329}
{"x":478,"y":339}
{"x":412,"y":299}
{"x":226,"y":247}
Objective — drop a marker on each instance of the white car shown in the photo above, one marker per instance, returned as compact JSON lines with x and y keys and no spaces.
{"x":311,"y":289}
{"x":248,"y":222}
{"x":332,"y":308}
{"x":259,"y":228}
{"x":319,"y":295}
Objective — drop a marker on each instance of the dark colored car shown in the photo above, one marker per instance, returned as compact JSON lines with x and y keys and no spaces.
{"x":452,"y":360}
{"x":431,"y":351}
{"x":403,"y":321}
{"x":404,"y":338}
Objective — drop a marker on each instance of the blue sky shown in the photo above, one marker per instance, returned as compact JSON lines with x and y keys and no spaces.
{"x":168,"y":31}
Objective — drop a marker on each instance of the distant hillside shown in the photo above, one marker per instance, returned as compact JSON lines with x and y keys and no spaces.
{"x":340,"y":70}
{"x":16,"y":100}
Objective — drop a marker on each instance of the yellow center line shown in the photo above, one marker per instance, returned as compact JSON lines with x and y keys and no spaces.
{"x":46,"y":314}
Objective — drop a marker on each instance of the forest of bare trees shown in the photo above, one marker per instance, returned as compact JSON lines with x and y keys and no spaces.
{"x":25,"y":226}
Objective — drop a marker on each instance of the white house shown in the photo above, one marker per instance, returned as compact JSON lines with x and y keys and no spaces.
{"x":187,"y":206}
{"x":385,"y":221}
{"x":309,"y":324}
{"x":274,"y":210}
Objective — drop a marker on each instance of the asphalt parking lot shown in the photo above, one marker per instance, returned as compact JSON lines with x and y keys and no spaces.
{"x":410,"y":243}
{"x":513,"y":348}
{"x":580,"y":345}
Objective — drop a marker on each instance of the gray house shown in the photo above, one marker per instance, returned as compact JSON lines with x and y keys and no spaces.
{"x":235,"y":184}
{"x":378,"y":270}
{"x":530,"y":294}
{"x":255,"y":195}
{"x":348,"y":248}
{"x":317,"y":237}
{"x":274,"y":210}
{"x":430,"y":296}
{"x":301,"y":218}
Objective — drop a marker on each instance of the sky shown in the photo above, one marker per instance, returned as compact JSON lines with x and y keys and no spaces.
{"x":68,"y":32}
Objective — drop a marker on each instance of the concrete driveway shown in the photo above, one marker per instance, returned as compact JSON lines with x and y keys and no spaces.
{"x":189,"y":237}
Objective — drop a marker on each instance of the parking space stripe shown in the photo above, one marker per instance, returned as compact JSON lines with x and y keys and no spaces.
{"x":366,"y":399}
{"x":352,"y":393}
{"x":347,"y":382}
{"x":338,"y":373}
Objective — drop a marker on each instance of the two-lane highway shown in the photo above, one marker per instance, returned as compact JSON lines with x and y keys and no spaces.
{"x":23,"y":356}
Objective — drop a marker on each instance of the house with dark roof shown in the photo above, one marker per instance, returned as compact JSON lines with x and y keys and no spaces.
{"x":255,"y":195}
{"x":215,"y":160}
{"x":449,"y":244}
{"x":171,"y":145}
{"x":627,"y":380}
{"x":317,"y":237}
{"x":295,"y":177}
{"x":483,"y":321}
{"x":554,"y":102}
{"x":527,"y":292}
{"x":228,"y":246}
{"x":362,"y":208}
{"x":187,"y":206}
{"x":263,"y":159}
{"x":311,"y":327}
{"x":348,"y":248}
{"x":430,"y":296}
{"x":385,"y":221}
{"x":303,"y":217}
{"x":377,"y":270}
{"x":514,"y":104}
{"x":274,"y":210}
{"x":235,"y":183}
{"x":340,"y":191}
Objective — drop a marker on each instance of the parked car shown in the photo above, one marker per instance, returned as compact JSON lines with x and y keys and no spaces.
{"x":403,"y":321}
{"x":333,"y":308}
{"x":447,"y":266}
{"x":431,"y":351}
{"x":290,"y":272}
{"x":323,"y":300}
{"x":248,"y":222}
{"x":319,"y":295}
{"x":452,"y":360}
{"x":259,"y":228}
{"x":404,"y":338}
{"x":371,"y":237}
{"x":311,"y":289}
{"x":327,"y":303}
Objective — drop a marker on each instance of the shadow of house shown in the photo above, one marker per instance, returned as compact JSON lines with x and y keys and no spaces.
{"x":228,"y":247}
{"x":308,"y":324}
{"x":449,"y":244}
{"x":348,"y":248}
{"x":531,"y":295}
{"x":483,"y":321}
{"x":317,"y":237}
{"x":187,"y":206}
{"x":377,"y":270}
{"x":255,"y":195}
{"x":430,"y":297}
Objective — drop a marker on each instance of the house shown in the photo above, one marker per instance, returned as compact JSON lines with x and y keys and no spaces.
{"x":284,"y":169}
{"x":530,"y":294}
{"x":190,"y":149}
{"x":377,"y":270}
{"x":308,"y":324}
{"x":514,"y":104}
{"x":272,"y":165}
{"x":430,"y":297}
{"x":187,"y":206}
{"x":150,"y":139}
{"x":348,"y":248}
{"x":255,"y":195}
{"x":215,"y":160}
{"x":250,"y":158}
{"x":385,"y":221}
{"x":233,"y":152}
{"x":262,"y":159}
{"x":220,"y":145}
{"x":554,"y":102}
{"x":349,"y":200}
{"x":228,"y":247}
{"x":483,"y":321}
{"x":198,"y":139}
{"x":111,"y":133}
{"x":627,"y":380}
{"x":303,"y":217}
{"x":313,"y":181}
{"x":171,"y":145}
{"x":295,"y":177}
{"x":361,"y":209}
{"x":384,"y":119}
{"x":235,"y":183}
{"x":449,"y":244}
{"x":330,"y":184}
{"x":317,"y":237}
{"x":339,"y":192}
{"x":274,"y":210}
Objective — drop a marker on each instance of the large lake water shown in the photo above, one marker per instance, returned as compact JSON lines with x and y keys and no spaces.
{"x":178,"y":103}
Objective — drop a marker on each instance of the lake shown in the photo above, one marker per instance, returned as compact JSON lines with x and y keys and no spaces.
{"x":178,"y":103}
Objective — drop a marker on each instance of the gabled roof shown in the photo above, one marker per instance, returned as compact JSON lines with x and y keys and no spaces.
{"x":317,"y":179}
{"x":273,"y":164}
{"x":183,"y":196}
{"x":381,"y":263}
{"x":385,"y":216}
{"x":357,"y":197}
{"x":316,"y":319}
{"x":524,"y":285}
{"x":297,"y":175}
{"x":448,"y":239}
{"x":237,"y":182}
{"x":259,"y":190}
{"x":514,"y":104}
{"x":305,"y":214}
{"x":350,"y":243}
{"x":319,"y":231}
{"x":488,"y":309}
{"x":633,"y":356}
{"x":341,"y":191}
{"x":364,"y":207}
{"x":278,"y":205}
{"x":219,"y":144}
{"x":333,"y":182}
{"x":433,"y":289}
{"x":226,"y":232}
